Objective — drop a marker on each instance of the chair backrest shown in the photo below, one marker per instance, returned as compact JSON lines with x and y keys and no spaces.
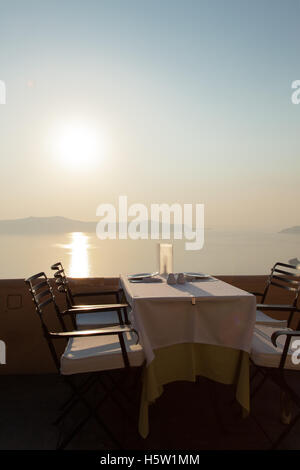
{"x":42,"y":296}
{"x":62,"y":283}
{"x":284,"y":276}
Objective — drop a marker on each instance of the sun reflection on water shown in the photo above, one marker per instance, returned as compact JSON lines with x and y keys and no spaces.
{"x":79,"y":263}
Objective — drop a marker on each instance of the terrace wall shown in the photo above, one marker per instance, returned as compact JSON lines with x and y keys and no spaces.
{"x":26,"y":348}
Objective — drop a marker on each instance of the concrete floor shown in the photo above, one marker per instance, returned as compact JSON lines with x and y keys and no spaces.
{"x":188,"y":416}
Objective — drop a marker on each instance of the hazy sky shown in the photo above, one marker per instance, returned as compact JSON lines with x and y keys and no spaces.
{"x":190,"y":102}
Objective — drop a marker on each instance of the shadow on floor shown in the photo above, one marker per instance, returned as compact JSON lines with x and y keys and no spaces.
{"x":189,"y":416}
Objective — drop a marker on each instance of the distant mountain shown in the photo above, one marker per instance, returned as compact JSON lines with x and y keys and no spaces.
{"x":44,"y":225}
{"x":295,"y":230}
{"x":58,"y":225}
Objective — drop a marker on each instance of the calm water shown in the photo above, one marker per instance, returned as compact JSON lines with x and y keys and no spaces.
{"x":85,"y":255}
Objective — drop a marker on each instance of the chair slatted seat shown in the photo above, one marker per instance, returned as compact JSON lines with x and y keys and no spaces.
{"x":264,"y":353}
{"x":88,"y":315}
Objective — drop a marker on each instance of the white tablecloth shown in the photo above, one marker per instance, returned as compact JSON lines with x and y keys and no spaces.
{"x":164,"y":315}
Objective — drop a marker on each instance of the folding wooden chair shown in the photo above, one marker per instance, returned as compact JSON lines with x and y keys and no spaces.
{"x":89,"y":354}
{"x":275,"y":354}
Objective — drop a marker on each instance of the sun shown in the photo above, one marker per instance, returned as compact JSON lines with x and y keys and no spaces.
{"x":79,"y":144}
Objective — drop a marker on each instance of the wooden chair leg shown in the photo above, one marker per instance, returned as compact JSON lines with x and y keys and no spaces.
{"x":285,"y":432}
{"x":285,"y":407}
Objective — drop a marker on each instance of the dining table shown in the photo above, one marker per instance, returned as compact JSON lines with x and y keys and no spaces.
{"x":203,"y":327}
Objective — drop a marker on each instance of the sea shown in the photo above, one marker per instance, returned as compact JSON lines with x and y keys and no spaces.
{"x":84,"y":255}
